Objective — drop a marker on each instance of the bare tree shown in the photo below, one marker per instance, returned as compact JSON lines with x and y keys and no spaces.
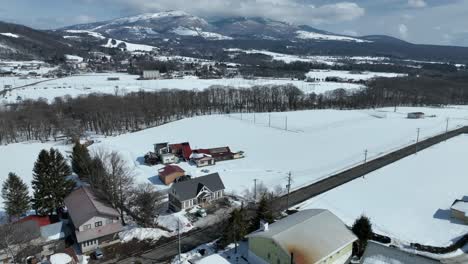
{"x":17,"y":240}
{"x":114,"y":180}
{"x":146,"y":204}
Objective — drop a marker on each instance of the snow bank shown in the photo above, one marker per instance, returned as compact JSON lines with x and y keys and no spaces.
{"x":142,"y":234}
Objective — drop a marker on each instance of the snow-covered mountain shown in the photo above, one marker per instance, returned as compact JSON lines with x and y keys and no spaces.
{"x":179,"y":24}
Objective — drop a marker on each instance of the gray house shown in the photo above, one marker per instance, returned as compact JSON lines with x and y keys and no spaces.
{"x":196,"y":191}
{"x":96,"y":224}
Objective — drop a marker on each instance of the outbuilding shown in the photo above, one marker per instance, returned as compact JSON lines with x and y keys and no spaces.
{"x":459,"y":210}
{"x":170,"y":173}
{"x":151,"y":75}
{"x":416,"y":115}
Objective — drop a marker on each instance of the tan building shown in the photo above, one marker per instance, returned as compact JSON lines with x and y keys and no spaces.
{"x":459,"y":210}
{"x":170,"y":173}
{"x":307,"y":237}
{"x":96,"y":224}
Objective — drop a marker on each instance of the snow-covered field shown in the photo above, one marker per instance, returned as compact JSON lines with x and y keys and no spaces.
{"x":113,"y":43}
{"x":98,"y":83}
{"x":322,"y":74}
{"x":317,"y":36}
{"x":317,"y":143}
{"x":410,"y":199}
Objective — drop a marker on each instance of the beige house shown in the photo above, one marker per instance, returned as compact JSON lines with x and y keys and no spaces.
{"x":96,"y":224}
{"x":459,"y":210}
{"x":307,"y":237}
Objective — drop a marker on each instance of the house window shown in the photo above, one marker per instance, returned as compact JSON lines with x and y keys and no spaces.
{"x":98,"y":224}
{"x":86,"y":227}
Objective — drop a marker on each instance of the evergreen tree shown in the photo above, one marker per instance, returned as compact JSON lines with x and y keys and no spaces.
{"x":81,"y":161}
{"x":236,"y":228}
{"x":362,"y":228}
{"x":263,"y":213}
{"x":50,"y":183}
{"x":16,"y":198}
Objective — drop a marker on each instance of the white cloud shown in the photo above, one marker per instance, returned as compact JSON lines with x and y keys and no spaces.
{"x":283,"y":10}
{"x":417,"y":3}
{"x":403,"y":30}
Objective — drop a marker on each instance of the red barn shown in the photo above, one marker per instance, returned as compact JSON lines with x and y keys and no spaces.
{"x":182,"y":150}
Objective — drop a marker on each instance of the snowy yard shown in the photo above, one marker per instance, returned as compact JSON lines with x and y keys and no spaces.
{"x":98,"y":83}
{"x":409,"y":200}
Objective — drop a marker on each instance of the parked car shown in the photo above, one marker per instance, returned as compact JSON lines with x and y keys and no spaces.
{"x":201,"y":213}
{"x":98,"y":254}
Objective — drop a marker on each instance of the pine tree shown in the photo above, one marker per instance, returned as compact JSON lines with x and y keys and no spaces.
{"x":81,"y":161}
{"x":16,"y":198}
{"x":263,"y":213}
{"x":50,"y":183}
{"x":236,"y":228}
{"x":362,"y":228}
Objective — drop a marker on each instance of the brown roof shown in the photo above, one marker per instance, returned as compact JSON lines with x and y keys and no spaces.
{"x":169,"y":169}
{"x":83,"y":205}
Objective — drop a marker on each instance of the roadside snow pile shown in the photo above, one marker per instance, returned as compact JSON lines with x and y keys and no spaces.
{"x":139,"y":233}
{"x":317,"y":36}
{"x":170,"y":221}
{"x":410,"y":199}
{"x":114,"y":43}
{"x":11,"y":35}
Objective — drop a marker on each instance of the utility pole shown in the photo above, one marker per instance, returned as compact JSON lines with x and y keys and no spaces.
{"x":417,"y":140}
{"x":269,"y":119}
{"x":255,"y":190}
{"x":447,"y":128}
{"x":178,"y":234}
{"x":365,"y":156}
{"x":286,"y":124}
{"x":289,"y":188}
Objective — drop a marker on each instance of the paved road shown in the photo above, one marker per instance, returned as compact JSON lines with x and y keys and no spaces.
{"x":193,"y":239}
{"x":376,"y":253}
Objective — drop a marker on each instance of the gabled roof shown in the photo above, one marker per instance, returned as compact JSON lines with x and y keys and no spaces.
{"x":83,"y":205}
{"x":186,"y":190}
{"x":169,"y":169}
{"x":311,"y":234}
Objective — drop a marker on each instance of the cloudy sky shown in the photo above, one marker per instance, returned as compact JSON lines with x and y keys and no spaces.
{"x":419,"y":21}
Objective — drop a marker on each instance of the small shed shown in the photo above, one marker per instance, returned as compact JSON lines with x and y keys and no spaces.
{"x":202,"y":159}
{"x":459,"y":210}
{"x":169,"y":158}
{"x":416,"y":115}
{"x":170,"y":173}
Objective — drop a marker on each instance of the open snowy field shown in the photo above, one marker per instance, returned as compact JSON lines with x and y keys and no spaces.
{"x":409,"y":200}
{"x":98,"y":83}
{"x":316,"y":144}
{"x":323,"y":74}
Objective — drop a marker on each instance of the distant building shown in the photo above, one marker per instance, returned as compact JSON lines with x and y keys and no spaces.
{"x":459,"y":210}
{"x":221,"y":153}
{"x":113,"y":78}
{"x":182,"y":150}
{"x":168,"y":158}
{"x":416,"y":115}
{"x":95,"y":223}
{"x":170,"y":173}
{"x":198,"y":191}
{"x":151,"y":75}
{"x":202,"y":160}
{"x":306,"y":237}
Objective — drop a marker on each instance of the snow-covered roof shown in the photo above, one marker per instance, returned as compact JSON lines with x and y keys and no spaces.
{"x":60,"y":258}
{"x":314,"y":234}
{"x":461,"y":205}
{"x":213,"y":259}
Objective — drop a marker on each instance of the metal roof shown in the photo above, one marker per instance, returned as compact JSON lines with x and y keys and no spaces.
{"x":186,"y":190}
{"x":312,"y":235}
{"x":83,"y":205}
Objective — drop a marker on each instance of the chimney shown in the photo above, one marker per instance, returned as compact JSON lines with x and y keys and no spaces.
{"x":263,"y":225}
